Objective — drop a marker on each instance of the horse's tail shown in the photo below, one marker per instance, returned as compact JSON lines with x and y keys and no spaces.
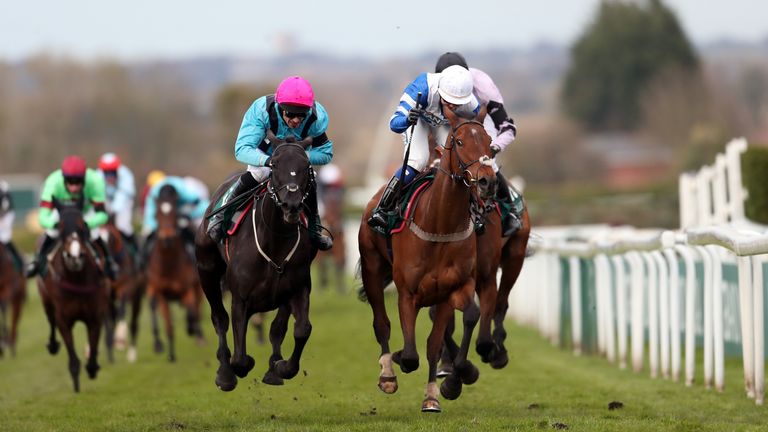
{"x":360,"y":288}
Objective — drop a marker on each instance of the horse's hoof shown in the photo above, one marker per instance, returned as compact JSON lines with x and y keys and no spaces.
{"x":388,"y":384}
{"x":283,"y":369}
{"x":407,"y":365}
{"x":468,"y":373}
{"x":431,"y":405}
{"x":53,"y":347}
{"x":159,"y":348}
{"x":132,"y":354}
{"x":172,"y":358}
{"x":444,"y":369}
{"x":92,"y":370}
{"x":486,"y":350}
{"x":241,"y":370}
{"x":450,"y":388}
{"x":225,"y":380}
{"x":500,"y":361}
{"x":271,"y":378}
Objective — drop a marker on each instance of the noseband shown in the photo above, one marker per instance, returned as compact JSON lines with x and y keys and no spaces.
{"x":466,"y":177}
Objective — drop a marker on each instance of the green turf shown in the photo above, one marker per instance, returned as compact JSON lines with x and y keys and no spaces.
{"x":542,"y":388}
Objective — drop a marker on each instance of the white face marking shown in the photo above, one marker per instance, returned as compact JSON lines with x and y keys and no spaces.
{"x":293,"y":173}
{"x":165,"y":208}
{"x":74,"y":249}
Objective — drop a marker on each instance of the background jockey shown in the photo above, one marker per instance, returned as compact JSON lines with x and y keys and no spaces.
{"x":120,"y":193}
{"x":73,"y":184}
{"x":330,"y":185}
{"x":422,"y":105}
{"x":291,"y":112}
{"x":6,"y":224}
{"x":191,"y":207}
{"x":497,"y":123}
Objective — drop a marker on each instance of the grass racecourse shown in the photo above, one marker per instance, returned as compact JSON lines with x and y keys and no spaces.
{"x":542,"y":388}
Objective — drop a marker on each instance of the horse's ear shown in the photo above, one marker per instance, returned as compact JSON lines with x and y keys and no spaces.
{"x":272,"y":138}
{"x":306,"y":142}
{"x":481,"y":115}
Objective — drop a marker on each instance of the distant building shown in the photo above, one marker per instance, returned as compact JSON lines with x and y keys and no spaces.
{"x":630,"y":160}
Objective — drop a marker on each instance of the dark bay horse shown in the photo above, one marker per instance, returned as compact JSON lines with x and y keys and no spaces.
{"x":170,"y":273}
{"x":334,"y":260}
{"x":433,"y":262}
{"x":127,"y":289}
{"x":13,"y":292}
{"x":265,"y":265}
{"x":75,"y":288}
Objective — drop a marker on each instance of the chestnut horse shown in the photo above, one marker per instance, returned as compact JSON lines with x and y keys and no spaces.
{"x":128,"y":289}
{"x":433,"y":262}
{"x":265,"y":265}
{"x":171,"y":273}
{"x":75,"y":288}
{"x":13,"y":292}
{"x":335,"y":259}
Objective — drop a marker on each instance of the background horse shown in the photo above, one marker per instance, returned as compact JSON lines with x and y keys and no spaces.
{"x":265,"y":265}
{"x":13,"y":292}
{"x":335,"y":259}
{"x":432,"y":269}
{"x":171,"y":273}
{"x":75,"y":288}
{"x":127,"y":289}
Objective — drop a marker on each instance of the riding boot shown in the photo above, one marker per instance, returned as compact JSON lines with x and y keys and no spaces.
{"x":17,"y":260}
{"x":111,"y":268}
{"x":36,"y":266}
{"x":319,"y":240}
{"x":386,"y":203}
{"x":216,"y":229}
{"x":511,"y":222}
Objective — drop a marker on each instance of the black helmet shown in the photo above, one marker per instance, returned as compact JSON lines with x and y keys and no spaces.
{"x":450,"y":59}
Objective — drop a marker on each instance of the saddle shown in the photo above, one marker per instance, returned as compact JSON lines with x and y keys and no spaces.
{"x":409,"y":197}
{"x":234,"y":214}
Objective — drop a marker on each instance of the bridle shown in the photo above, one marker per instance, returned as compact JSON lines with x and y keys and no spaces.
{"x":291,"y":187}
{"x":466,"y":177}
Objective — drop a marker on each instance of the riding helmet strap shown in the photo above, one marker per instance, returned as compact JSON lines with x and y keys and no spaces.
{"x":272,"y":111}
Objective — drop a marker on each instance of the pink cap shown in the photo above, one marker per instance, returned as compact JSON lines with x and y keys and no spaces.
{"x":295,"y":90}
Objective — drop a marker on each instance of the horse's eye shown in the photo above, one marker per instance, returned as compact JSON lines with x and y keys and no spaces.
{"x":459,"y":143}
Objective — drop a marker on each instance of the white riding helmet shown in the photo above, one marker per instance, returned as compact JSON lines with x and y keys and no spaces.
{"x":455,"y":85}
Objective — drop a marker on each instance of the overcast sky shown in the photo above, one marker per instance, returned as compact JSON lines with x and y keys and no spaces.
{"x":144,"y":29}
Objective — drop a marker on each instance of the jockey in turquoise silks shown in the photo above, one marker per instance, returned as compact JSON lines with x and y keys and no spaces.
{"x":291,"y":112}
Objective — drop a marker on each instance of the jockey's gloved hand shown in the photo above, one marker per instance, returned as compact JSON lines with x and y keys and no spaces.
{"x":414,"y":114}
{"x":494,"y":150}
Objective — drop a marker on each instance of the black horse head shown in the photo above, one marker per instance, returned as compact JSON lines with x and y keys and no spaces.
{"x":292,"y":177}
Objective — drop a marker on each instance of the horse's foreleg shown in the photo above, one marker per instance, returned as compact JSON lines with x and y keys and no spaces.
{"x":158,"y":345}
{"x":408,"y":357}
{"x":4,"y":339}
{"x":443,"y":313}
{"x":450,"y":347}
{"x":210,"y":280}
{"x":136,"y":295}
{"x":485,"y":346}
{"x":92,"y":365}
{"x":510,"y":270}
{"x":168,"y":320}
{"x":302,"y":328}
{"x":191,"y":302}
{"x":242,"y":363}
{"x":74,"y":362}
{"x":463,"y":368}
{"x":277,"y":331}
{"x":50,"y":313}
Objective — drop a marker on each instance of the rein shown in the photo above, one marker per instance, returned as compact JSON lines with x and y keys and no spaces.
{"x":279,"y":268}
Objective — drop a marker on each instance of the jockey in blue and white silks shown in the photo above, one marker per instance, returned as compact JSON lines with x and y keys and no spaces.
{"x":452,"y":87}
{"x":499,"y":126}
{"x":291,"y":112}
